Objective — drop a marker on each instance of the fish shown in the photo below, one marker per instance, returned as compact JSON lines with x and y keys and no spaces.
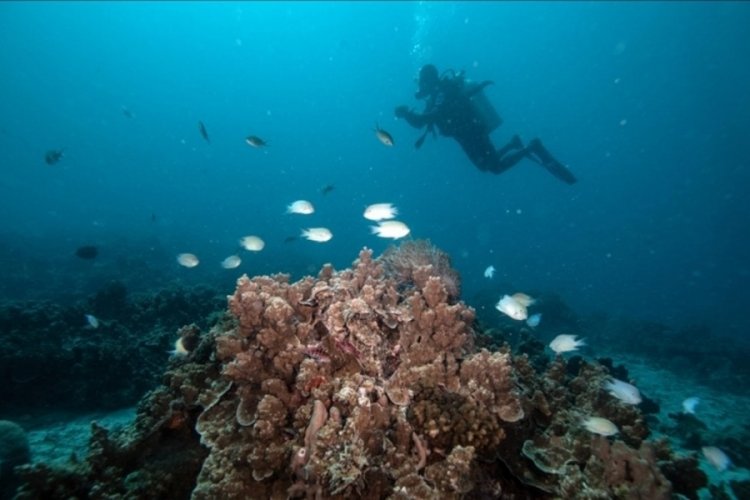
{"x":380,"y":211}
{"x":53,"y":156}
{"x":87,"y":252}
{"x":252,"y":243}
{"x":524,"y":299}
{"x":317,"y":234}
{"x":126,"y":112}
{"x":534,"y":320}
{"x":716,"y":457}
{"x":390,"y":229}
{"x":511,"y":307}
{"x":627,"y":393}
{"x":290,"y":239}
{"x":302,"y":207}
{"x":565,"y":343}
{"x":231,"y":262}
{"x":383,"y":136}
{"x":92,"y":321}
{"x":203,"y":131}
{"x":255,"y":141}
{"x":187,"y":260}
{"x":327,"y":189}
{"x":179,"y":349}
{"x":489,"y":272}
{"x":688,"y":406}
{"x":601,"y":426}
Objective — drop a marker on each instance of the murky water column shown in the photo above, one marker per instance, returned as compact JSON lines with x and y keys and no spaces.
{"x":421,"y":51}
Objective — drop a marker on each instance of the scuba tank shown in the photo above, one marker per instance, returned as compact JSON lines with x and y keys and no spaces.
{"x":482,"y":107}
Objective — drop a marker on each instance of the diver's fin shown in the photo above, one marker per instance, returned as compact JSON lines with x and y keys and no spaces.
{"x":560,"y":171}
{"x":479,"y":87}
{"x":420,"y":141}
{"x":540,"y":154}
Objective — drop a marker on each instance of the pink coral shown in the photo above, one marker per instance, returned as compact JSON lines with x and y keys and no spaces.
{"x":324,"y":367}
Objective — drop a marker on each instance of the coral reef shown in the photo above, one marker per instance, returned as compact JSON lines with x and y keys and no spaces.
{"x":49,"y":353}
{"x":351,"y":384}
{"x":412,"y":262}
{"x":694,"y":351}
{"x":14,"y":451}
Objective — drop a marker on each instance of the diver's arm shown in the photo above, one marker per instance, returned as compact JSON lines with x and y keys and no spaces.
{"x":414,"y":119}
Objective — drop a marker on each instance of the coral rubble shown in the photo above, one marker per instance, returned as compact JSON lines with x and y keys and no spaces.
{"x":352,"y":384}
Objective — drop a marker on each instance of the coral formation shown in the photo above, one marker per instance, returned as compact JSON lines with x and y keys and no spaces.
{"x":412,"y":262}
{"x":49,"y":353}
{"x":351,"y":384}
{"x":14,"y":451}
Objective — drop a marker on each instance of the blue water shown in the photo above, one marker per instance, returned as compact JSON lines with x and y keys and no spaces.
{"x":648,"y":103}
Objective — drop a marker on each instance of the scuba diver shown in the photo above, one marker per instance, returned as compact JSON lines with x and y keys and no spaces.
{"x":459,"y":109}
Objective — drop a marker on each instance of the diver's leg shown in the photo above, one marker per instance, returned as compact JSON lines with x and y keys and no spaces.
{"x":479,"y":149}
{"x":503,"y":163}
{"x":537,"y":152}
{"x":514,"y":143}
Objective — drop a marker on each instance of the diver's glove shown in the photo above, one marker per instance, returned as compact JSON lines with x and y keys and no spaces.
{"x":402,"y":111}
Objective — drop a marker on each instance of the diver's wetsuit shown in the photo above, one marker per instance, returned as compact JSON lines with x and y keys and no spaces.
{"x":449,"y":108}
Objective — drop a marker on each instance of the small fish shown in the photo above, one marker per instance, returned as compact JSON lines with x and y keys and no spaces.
{"x":601,"y":426}
{"x":290,"y":239}
{"x":203,"y":131}
{"x":92,"y":321}
{"x":252,"y":243}
{"x":126,"y":112}
{"x":380,"y":211}
{"x":391,"y":229}
{"x":153,"y":217}
{"x":179,"y":349}
{"x":255,"y":141}
{"x":317,"y":234}
{"x":716,"y":457}
{"x":489,"y":272}
{"x":511,"y":307}
{"x":231,"y":262}
{"x":689,"y":405}
{"x":87,"y":252}
{"x":53,"y":156}
{"x":302,"y":207}
{"x":383,"y":136}
{"x":524,"y":299}
{"x":534,"y":320}
{"x":627,"y":393}
{"x":565,"y":343}
{"x":327,"y":189}
{"x":187,"y":260}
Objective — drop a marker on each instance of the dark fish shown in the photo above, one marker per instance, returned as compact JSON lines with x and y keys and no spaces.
{"x":203,"y":131}
{"x":383,"y":136}
{"x":327,"y":188}
{"x":88,"y":252}
{"x":255,"y":142}
{"x":53,"y":156}
{"x":290,"y":239}
{"x":153,"y":217}
{"x":127,"y":112}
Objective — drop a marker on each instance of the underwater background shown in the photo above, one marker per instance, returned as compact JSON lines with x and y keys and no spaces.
{"x":648,"y":103}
